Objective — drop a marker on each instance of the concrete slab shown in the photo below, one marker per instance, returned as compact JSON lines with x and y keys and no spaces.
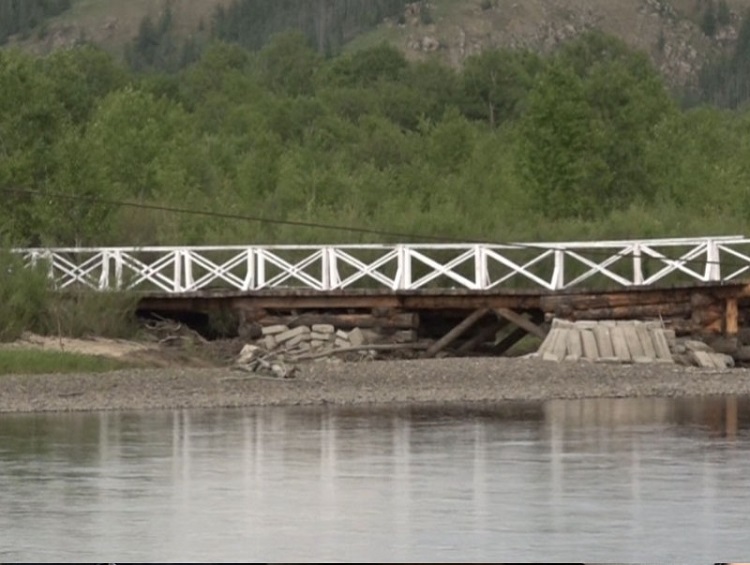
{"x":661,"y":345}
{"x":574,"y":345}
{"x":607,"y":342}
{"x":646,"y":341}
{"x":604,"y":341}
{"x":619,"y":344}
{"x":560,"y":347}
{"x":590,"y":350}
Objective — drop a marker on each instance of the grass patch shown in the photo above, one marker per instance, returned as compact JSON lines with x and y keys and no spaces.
{"x":31,"y":362}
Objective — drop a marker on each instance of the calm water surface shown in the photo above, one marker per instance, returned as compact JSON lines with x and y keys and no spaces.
{"x":598,"y":480}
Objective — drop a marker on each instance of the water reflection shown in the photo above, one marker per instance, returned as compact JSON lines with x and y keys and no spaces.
{"x":608,"y":480}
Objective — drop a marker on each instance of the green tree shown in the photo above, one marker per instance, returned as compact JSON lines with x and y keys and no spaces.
{"x":496,"y":82}
{"x":365,"y":67}
{"x":130,"y":135}
{"x":562,"y":147}
{"x":586,"y":128}
{"x":81,"y":77}
{"x":288,"y":65}
{"x":32,"y":118}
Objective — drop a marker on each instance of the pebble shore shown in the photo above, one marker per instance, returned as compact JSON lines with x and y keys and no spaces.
{"x":378,"y":382}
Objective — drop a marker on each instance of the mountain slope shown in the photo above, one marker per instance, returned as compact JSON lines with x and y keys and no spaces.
{"x":679,"y":35}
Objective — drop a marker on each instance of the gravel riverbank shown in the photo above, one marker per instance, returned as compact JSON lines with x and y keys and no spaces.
{"x":378,"y":382}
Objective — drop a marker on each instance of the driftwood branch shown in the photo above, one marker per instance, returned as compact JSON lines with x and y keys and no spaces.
{"x":374,"y":347}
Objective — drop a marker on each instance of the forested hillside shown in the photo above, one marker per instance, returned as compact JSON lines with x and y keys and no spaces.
{"x":21,"y":16}
{"x":584,"y":142}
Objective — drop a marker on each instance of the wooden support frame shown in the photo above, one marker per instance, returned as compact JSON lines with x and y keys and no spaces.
{"x":510,"y":340}
{"x":521,"y":321}
{"x":456,"y":332}
{"x":484,"y":334}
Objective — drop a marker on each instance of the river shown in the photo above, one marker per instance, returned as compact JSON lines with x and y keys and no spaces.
{"x":628,"y":480}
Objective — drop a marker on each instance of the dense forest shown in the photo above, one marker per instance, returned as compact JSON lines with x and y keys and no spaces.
{"x":327,"y":24}
{"x":583,"y":143}
{"x":20,"y":16}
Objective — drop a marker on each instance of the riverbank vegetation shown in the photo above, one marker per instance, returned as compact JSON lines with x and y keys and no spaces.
{"x":33,"y":361}
{"x":29,"y":304}
{"x":584,"y":143}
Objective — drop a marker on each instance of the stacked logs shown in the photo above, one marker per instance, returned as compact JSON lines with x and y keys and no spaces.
{"x":687,"y":311}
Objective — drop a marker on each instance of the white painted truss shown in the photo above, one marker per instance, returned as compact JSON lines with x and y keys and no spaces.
{"x":473,"y":267}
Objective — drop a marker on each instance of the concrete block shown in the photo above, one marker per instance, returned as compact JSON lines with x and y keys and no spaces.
{"x":341,"y":343}
{"x":341,"y":334}
{"x":290,"y":334}
{"x":322,"y":336}
{"x":269,"y":342}
{"x":323,"y":328}
{"x":695,"y":345}
{"x":402,"y":336}
{"x":356,"y":338}
{"x":296,"y":340}
{"x":248,"y":354}
{"x":273,"y":330}
{"x":671,"y":337}
{"x":702,"y":359}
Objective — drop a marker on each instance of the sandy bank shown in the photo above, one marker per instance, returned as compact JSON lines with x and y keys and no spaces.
{"x":378,"y":382}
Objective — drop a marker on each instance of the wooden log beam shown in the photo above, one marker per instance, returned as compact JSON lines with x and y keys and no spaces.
{"x":510,"y":340}
{"x":456,"y":332}
{"x":483,"y":335}
{"x":635,"y":312}
{"x":615,"y":299}
{"x":402,"y":321}
{"x":708,"y":315}
{"x":682,"y":326}
{"x":521,"y":321}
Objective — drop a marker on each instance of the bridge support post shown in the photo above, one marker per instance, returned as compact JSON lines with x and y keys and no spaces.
{"x":731,"y":317}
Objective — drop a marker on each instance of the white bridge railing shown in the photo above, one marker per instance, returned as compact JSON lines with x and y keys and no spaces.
{"x":474,"y":267}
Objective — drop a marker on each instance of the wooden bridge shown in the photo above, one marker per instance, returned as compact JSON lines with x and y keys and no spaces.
{"x":465,"y":294}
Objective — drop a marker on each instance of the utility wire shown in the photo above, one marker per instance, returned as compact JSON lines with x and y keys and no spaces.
{"x":316,"y":225}
{"x":228,"y":216}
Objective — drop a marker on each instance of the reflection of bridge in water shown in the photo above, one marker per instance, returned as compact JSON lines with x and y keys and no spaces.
{"x":465,"y":294}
